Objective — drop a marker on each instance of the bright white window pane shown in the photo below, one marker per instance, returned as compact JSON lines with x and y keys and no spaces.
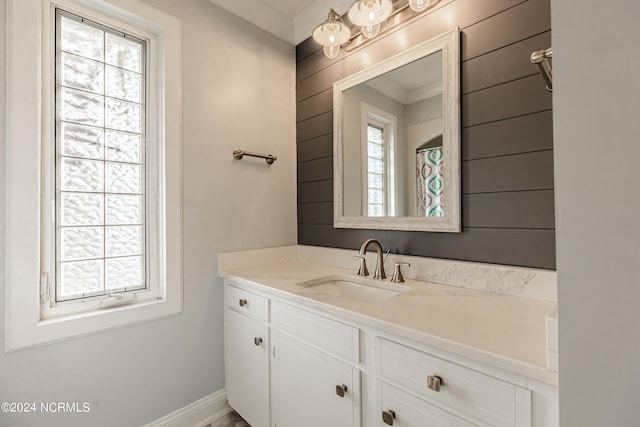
{"x":123,"y":178}
{"x":100,"y":117}
{"x":375,"y":150}
{"x":376,"y":166}
{"x":124,"y":272}
{"x":121,"y":115}
{"x":123,"y":241}
{"x":82,"y":243}
{"x":375,"y":196}
{"x":123,"y":210}
{"x":82,"y":141}
{"x":375,"y":181}
{"x":123,"y":147}
{"x":81,"y":209}
{"x":81,"y":107}
{"x":123,"y":84}
{"x":375,"y":210}
{"x":82,"y":73}
{"x":81,"y":39}
{"x":81,"y":277}
{"x":123,"y":53}
{"x":81,"y":175}
{"x":374,"y":135}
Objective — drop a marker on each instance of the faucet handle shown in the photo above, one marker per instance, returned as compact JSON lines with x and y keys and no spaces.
{"x":362,"y":270}
{"x":397,"y":272}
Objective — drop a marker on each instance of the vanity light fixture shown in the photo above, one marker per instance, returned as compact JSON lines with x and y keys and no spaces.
{"x":369,"y":17}
{"x":331,"y":34}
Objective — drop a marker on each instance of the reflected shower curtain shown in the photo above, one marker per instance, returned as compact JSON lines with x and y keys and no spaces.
{"x":429,"y":182}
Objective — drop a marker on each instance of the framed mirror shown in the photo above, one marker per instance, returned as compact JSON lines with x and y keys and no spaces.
{"x":397,"y":141}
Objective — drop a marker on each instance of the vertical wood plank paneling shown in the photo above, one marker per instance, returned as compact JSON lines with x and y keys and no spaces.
{"x":507,"y":144}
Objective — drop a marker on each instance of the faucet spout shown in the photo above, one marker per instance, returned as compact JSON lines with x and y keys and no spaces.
{"x":379,"y":272}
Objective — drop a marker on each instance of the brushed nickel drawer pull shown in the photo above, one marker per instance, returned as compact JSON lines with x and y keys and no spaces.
{"x":434,"y":382}
{"x":388,"y":416}
{"x":341,"y":390}
{"x":257,"y":341}
{"x":242,"y":302}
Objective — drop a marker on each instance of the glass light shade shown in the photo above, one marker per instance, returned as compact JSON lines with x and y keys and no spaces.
{"x":419,"y":5}
{"x":331,"y":51}
{"x":367,"y":13}
{"x":332,"y":33}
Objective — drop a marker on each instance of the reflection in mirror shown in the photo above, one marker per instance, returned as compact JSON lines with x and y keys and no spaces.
{"x":392,"y":128}
{"x":397,"y":141}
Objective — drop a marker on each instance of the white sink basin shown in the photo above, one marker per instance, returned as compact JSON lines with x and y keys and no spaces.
{"x":333,"y":288}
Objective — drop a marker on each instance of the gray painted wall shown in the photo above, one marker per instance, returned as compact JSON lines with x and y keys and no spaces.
{"x":507,"y":142}
{"x":134,"y":375}
{"x":596,"y":108}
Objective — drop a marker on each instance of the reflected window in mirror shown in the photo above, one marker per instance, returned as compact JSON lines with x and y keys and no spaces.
{"x":378,"y":142}
{"x":376,"y":194}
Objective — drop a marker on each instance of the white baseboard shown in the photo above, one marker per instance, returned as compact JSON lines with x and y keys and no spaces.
{"x":208,"y":410}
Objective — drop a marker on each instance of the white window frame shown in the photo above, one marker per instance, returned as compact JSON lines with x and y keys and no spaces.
{"x":30,"y":109}
{"x":389,"y":124}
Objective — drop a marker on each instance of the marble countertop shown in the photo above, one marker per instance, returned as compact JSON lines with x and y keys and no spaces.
{"x":503,"y":331}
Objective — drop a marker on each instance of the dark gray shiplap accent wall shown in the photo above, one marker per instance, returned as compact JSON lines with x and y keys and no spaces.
{"x":507,"y":145}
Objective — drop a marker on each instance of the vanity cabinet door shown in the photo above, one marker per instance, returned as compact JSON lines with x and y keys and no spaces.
{"x":312,"y":388}
{"x":247,"y":367}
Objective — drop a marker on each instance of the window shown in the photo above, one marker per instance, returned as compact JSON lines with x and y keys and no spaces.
{"x":100,"y":131}
{"x":93,"y":156}
{"x":378,"y":180}
{"x":375,"y":170}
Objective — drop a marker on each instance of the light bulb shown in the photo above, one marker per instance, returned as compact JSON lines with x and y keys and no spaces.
{"x":419,"y":5}
{"x":372,"y":15}
{"x":331,"y":51}
{"x":370,"y":31}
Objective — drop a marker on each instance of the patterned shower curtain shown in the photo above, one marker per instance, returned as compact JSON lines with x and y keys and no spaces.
{"x":429,"y":182}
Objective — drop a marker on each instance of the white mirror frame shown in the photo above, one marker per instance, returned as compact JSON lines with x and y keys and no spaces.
{"x":449,"y":44}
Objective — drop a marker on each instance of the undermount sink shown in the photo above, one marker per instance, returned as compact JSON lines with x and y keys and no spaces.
{"x":351,"y":288}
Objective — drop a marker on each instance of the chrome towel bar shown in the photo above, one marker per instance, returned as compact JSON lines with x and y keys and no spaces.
{"x":541,"y":59}
{"x":238,"y":154}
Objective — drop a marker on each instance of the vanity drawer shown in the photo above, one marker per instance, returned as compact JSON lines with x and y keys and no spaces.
{"x":335,"y":337}
{"x":247,"y":302}
{"x":479,"y":395}
{"x":401,"y":409}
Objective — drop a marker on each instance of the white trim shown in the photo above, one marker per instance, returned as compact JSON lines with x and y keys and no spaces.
{"x":209,"y":409}
{"x":25,"y":128}
{"x":449,"y":43}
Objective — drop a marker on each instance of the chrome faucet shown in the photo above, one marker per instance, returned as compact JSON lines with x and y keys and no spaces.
{"x":379,"y":272}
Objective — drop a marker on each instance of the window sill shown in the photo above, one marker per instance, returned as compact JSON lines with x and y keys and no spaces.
{"x":71,"y":326}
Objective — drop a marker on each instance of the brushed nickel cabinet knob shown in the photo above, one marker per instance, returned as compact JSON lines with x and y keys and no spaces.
{"x":341,"y":390}
{"x":388,"y":416}
{"x":434,"y":382}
